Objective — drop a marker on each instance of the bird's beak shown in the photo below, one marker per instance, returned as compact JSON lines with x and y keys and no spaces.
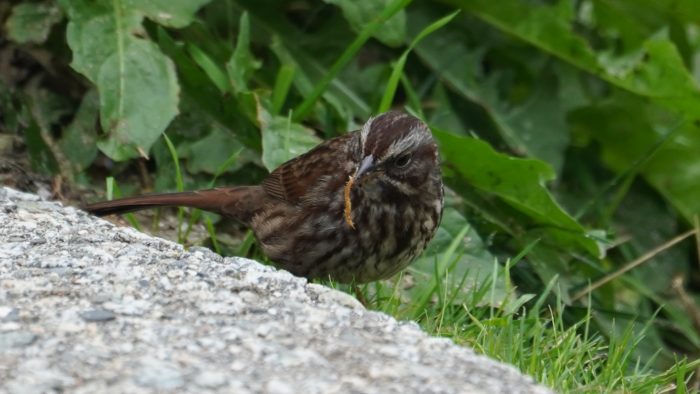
{"x":365,"y":165}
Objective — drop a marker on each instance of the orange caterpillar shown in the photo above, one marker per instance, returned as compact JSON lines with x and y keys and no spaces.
{"x":348,"y":203}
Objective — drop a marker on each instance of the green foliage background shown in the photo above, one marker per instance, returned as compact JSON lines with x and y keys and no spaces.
{"x":569,"y":129}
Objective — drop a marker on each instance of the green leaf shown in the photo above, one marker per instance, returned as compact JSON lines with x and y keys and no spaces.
{"x":537,"y":126}
{"x":658,"y":222}
{"x":630,"y":20}
{"x":136,"y":82}
{"x":359,"y":13}
{"x":655,"y":70}
{"x":533,"y":125}
{"x":40,"y":155}
{"x":78,"y":142}
{"x":208,"y":153}
{"x":139,"y":96}
{"x":242,"y":62}
{"x":171,"y":13}
{"x":13,"y":114}
{"x":46,"y":108}
{"x":97,"y":31}
{"x":32,"y":22}
{"x":282,"y":139}
{"x":627,"y":128}
{"x":549,"y":27}
{"x":518,"y":182}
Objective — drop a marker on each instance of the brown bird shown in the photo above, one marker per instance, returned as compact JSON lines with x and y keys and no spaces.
{"x":358,"y":207}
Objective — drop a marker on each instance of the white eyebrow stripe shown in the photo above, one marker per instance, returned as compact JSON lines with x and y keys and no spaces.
{"x":413,"y":139}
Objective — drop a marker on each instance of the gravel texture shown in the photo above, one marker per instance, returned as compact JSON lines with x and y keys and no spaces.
{"x":88,"y":307}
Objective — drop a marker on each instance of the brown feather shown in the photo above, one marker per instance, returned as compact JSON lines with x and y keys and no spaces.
{"x":239,"y":203}
{"x":293,"y":180}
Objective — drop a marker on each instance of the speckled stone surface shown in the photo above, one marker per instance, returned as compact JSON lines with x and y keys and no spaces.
{"x":88,"y":307}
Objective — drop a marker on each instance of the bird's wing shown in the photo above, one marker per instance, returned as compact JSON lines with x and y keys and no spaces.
{"x":294,"y":179}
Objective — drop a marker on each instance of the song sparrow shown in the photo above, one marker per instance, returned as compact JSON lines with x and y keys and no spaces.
{"x":358,"y":207}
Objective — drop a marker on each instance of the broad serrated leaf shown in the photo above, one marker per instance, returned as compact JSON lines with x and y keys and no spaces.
{"x":533,"y":126}
{"x":655,"y":71}
{"x":518,"y":182}
{"x":137,"y":84}
{"x":139,"y":96}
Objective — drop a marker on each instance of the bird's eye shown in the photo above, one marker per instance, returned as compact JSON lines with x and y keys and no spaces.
{"x":402,"y":161}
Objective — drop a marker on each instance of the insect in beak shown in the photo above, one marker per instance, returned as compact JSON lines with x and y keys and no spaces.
{"x":365,"y":165}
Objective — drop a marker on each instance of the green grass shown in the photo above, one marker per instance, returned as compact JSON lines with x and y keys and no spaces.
{"x":568,"y":357}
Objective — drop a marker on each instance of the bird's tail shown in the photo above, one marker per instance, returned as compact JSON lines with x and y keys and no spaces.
{"x":236,"y":202}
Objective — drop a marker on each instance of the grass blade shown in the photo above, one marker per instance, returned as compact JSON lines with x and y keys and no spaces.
{"x":303,"y":110}
{"x":397,"y":71}
{"x":179,"y":183}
